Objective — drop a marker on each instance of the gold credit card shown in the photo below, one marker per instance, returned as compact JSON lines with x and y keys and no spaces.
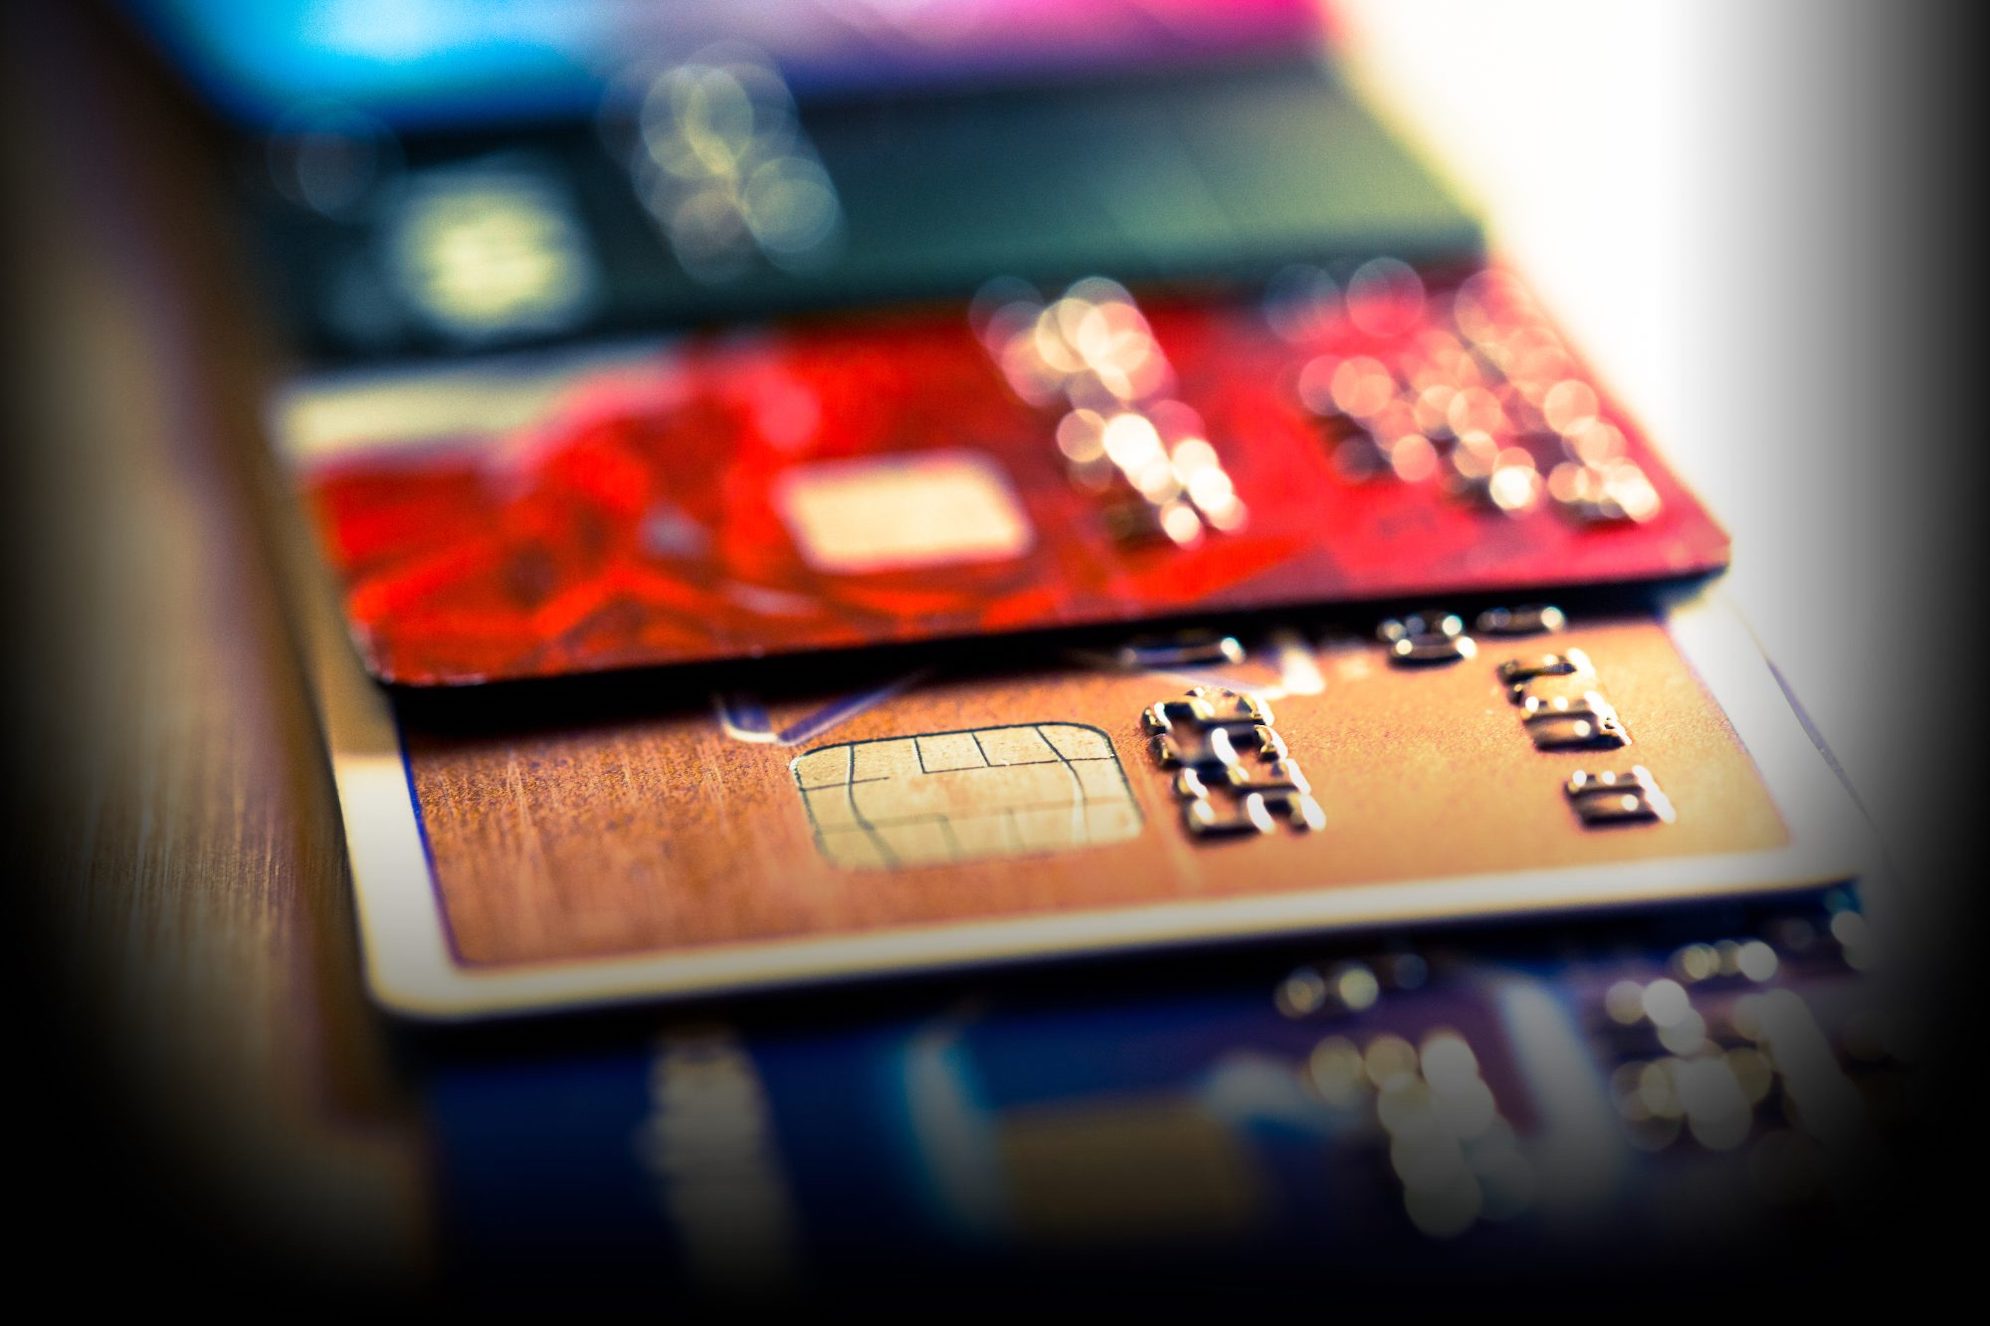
{"x":1189,"y":787}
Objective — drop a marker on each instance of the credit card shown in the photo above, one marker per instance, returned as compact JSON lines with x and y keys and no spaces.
{"x":1045,"y":462}
{"x":802,"y":827}
{"x":438,"y":241}
{"x":1618,"y":1095}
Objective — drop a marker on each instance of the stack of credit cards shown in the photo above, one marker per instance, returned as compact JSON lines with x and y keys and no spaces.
{"x":1174,"y":764}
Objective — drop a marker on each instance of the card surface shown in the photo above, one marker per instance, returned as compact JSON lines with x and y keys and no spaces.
{"x":1079,"y":460}
{"x":1184,"y":789}
{"x":1624,"y":1090}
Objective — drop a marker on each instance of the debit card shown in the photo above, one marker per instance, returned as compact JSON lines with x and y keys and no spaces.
{"x":1669,"y":1093}
{"x":751,"y":827}
{"x":1034,"y":462}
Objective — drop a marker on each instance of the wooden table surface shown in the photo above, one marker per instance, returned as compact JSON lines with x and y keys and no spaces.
{"x":216,"y":1084}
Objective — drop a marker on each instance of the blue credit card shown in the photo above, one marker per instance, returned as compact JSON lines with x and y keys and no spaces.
{"x":1614,"y":1095}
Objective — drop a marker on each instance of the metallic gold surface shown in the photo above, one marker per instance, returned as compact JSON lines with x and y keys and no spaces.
{"x":661,"y":833}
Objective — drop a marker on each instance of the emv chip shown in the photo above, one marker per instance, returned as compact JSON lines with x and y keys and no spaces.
{"x":850,"y":517}
{"x":960,"y":796}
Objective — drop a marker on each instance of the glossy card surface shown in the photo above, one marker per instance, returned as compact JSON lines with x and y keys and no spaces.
{"x":1619,"y":1096}
{"x":1080,"y":460}
{"x":1188,"y":789}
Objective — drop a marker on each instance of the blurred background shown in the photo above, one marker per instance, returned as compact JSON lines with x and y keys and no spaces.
{"x":1745,"y":213}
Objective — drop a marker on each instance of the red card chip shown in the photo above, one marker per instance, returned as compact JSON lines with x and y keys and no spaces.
{"x":1080,"y":460}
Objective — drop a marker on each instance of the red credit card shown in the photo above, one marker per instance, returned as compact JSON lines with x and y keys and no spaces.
{"x":1076,"y":460}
